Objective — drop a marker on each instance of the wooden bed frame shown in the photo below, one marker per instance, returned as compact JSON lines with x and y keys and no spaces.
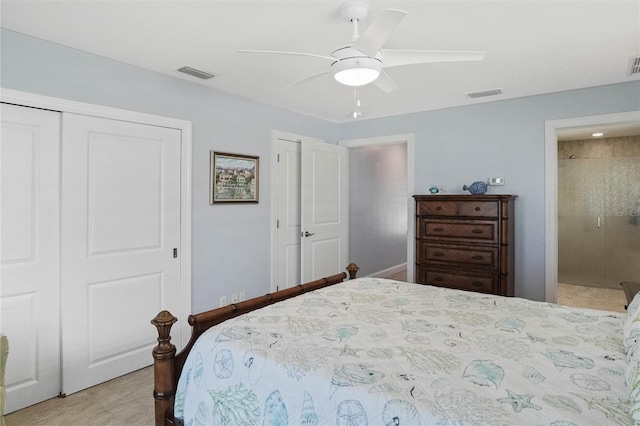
{"x":167,"y":365}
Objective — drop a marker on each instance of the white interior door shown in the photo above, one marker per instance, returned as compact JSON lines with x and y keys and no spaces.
{"x":325,"y":209}
{"x":29,"y":267}
{"x":288,"y":214}
{"x":120,"y":227}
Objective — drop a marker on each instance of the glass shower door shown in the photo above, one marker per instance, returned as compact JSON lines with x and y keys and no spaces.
{"x":581,"y":249}
{"x":622,"y":221}
{"x":599,"y":221}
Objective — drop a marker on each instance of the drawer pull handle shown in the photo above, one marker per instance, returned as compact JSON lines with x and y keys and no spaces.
{"x":438,"y":253}
{"x":476,"y":284}
{"x":438,"y":229}
{"x":477,"y":231}
{"x":477,"y":209}
{"x":438,"y":279}
{"x":478,"y":257}
{"x":438,"y":208}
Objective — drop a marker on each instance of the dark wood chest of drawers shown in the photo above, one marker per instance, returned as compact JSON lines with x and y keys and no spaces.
{"x":465,"y":242}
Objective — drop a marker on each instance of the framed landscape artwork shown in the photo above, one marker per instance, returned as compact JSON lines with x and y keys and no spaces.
{"x":234,"y":178}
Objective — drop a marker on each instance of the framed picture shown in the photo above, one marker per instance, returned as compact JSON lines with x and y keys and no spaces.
{"x":234,"y":178}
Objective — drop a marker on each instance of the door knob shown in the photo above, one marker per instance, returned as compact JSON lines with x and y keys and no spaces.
{"x":308,"y":234}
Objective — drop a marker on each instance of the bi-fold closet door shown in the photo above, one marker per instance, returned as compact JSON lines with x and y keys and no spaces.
{"x":90,"y":231}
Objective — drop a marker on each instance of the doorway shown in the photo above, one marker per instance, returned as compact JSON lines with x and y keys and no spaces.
{"x":310,"y":210}
{"x":575,"y":208}
{"x":381,"y":206}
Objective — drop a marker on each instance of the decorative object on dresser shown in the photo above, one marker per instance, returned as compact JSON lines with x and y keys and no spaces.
{"x":476,"y":188}
{"x":465,"y":242}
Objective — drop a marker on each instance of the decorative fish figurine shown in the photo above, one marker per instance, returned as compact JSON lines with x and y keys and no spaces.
{"x":275,"y":412}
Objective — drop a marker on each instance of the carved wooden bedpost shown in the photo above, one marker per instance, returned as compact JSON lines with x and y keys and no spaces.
{"x":163,"y":366}
{"x":352,"y":269}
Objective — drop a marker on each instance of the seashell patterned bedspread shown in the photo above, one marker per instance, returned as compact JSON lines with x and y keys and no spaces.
{"x":382,"y":352}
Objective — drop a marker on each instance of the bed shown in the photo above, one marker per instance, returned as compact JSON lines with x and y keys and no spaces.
{"x":378,"y":351}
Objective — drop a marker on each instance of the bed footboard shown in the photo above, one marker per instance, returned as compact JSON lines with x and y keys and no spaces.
{"x":167,"y":365}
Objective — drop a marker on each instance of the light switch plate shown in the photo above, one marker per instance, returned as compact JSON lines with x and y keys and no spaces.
{"x":495,"y":181}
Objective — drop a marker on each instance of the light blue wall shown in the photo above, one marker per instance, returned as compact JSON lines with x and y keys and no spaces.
{"x":231,"y":243}
{"x":456,"y":146}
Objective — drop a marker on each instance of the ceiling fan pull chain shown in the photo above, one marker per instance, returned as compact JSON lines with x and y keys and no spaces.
{"x":356,"y":103}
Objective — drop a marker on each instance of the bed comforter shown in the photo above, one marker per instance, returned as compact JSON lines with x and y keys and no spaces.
{"x":383,"y":352}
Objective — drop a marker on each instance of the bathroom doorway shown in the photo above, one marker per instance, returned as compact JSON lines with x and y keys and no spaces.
{"x":598,"y":220}
{"x":599,"y":209}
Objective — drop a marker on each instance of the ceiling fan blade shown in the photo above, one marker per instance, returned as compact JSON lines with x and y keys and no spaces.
{"x":384,"y":83}
{"x":395,"y":57}
{"x":279,"y":52}
{"x":378,"y":32}
{"x":304,"y":80}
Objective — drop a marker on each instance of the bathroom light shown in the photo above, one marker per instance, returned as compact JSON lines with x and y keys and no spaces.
{"x":356,"y":71}
{"x":597,"y":135}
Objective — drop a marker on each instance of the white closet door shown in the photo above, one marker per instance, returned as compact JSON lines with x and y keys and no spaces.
{"x":120,"y":227}
{"x":29,"y":253}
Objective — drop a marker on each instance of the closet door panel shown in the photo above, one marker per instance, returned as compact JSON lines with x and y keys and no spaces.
{"x":29,"y":253}
{"x":120,"y":226}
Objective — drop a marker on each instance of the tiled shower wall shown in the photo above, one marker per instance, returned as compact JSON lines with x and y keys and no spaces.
{"x":599,"y":211}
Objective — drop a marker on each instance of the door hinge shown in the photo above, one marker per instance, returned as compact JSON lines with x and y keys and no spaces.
{"x":277,"y":224}
{"x":278,"y":158}
{"x":175,"y":253}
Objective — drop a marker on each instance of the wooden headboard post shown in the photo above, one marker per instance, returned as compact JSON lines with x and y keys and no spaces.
{"x":352,"y":269}
{"x":163,"y":366}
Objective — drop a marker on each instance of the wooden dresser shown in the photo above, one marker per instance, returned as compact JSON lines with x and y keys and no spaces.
{"x":465,"y":242}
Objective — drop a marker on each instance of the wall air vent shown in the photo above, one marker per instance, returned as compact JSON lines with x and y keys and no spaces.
{"x":483,"y":93}
{"x":634,"y":66}
{"x":196,"y":73}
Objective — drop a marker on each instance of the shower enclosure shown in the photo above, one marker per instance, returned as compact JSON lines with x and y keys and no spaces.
{"x":599,"y":212}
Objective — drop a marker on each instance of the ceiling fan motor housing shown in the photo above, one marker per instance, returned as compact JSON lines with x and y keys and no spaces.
{"x":354,"y":10}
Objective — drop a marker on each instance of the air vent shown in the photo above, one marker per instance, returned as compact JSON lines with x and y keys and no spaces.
{"x":634,"y":66}
{"x":483,"y":93}
{"x":196,"y":73}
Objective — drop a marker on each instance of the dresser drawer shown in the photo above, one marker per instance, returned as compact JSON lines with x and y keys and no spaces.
{"x":472,"y":257}
{"x":478,"y":208}
{"x":470,"y":208}
{"x":481,"y":283}
{"x":438,"y":208}
{"x":477,"y":231}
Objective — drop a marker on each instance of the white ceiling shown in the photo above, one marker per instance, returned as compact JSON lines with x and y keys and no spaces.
{"x":533,"y":47}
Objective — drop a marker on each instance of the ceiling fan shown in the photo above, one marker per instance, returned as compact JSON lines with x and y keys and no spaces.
{"x":363,"y":60}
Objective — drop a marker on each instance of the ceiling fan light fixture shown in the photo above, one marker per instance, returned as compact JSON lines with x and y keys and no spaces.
{"x":356,"y":71}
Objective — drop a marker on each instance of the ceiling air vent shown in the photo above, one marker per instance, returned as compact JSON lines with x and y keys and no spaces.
{"x":483,"y":93}
{"x":196,"y":73}
{"x":634,"y":66}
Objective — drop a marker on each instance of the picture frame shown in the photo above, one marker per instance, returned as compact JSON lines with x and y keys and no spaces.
{"x":234,"y":178}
